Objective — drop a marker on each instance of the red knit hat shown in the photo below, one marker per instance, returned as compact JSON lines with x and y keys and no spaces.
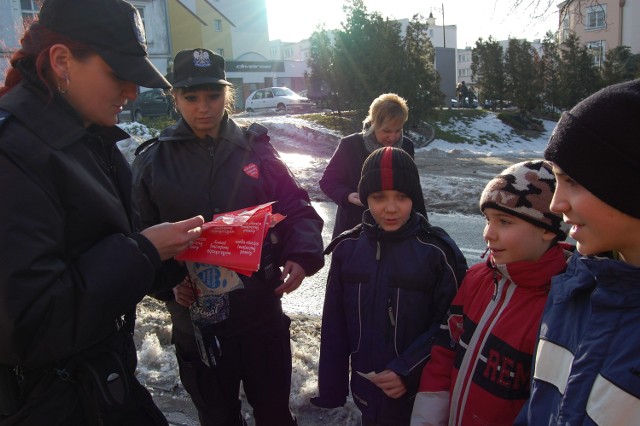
{"x":390,"y":168}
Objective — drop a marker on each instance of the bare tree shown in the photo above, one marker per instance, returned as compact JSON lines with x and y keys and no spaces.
{"x":540,"y":9}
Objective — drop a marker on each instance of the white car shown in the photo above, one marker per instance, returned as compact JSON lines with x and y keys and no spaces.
{"x":280,"y":98}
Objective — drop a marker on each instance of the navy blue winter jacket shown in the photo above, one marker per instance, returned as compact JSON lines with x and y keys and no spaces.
{"x":386,"y":295}
{"x":587,"y":367}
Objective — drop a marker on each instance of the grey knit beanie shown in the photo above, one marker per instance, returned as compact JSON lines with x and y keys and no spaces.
{"x":525,"y":190}
{"x":597,"y":144}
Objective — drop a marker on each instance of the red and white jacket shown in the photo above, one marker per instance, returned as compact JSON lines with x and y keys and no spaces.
{"x":480,"y":367}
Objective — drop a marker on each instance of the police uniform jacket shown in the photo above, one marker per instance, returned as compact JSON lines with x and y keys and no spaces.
{"x":72,"y":264}
{"x":180,"y":175}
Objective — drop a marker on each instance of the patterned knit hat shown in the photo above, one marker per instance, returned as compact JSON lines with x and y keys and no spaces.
{"x":390,"y":168}
{"x":525,"y":190}
{"x":602,"y":134}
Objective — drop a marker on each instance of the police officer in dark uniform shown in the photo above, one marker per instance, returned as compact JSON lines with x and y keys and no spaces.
{"x":73,"y":264}
{"x":206,"y":164}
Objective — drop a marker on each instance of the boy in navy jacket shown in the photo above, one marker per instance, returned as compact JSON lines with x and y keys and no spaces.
{"x":391,"y":281}
{"x":587,"y":370}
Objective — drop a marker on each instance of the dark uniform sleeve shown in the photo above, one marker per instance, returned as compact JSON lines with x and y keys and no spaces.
{"x":300,"y":234}
{"x":53,"y":305}
{"x":147,"y":212}
{"x":170,"y":273}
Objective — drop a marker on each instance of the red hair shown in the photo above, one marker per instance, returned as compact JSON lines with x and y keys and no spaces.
{"x":34,"y":55}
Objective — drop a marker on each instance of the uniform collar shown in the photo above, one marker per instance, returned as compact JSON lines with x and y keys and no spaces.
{"x":54,"y":122}
{"x":229,"y":132}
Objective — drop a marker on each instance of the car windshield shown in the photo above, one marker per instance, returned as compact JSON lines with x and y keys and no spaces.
{"x":283,"y":91}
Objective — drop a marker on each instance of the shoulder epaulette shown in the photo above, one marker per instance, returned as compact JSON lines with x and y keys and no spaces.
{"x":257,"y":132}
{"x":349,"y":233}
{"x":146,"y":144}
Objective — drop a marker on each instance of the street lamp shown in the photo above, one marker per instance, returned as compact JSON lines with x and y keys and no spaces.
{"x":444,"y":37}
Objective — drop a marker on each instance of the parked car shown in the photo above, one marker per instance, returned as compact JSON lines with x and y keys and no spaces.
{"x":280,"y":98}
{"x":490,"y":104}
{"x":468,"y":104}
{"x":153,"y":103}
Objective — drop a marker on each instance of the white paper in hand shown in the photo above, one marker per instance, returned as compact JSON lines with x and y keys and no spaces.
{"x":369,"y":375}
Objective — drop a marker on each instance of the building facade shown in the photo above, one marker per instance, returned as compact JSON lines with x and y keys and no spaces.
{"x":16,"y":15}
{"x":602,"y":25}
{"x":198,"y":23}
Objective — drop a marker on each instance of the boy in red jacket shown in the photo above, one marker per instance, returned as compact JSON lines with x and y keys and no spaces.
{"x":480,"y":366}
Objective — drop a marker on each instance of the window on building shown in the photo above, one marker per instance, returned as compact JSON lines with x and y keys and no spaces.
{"x":217,"y":25}
{"x":565,"y":28}
{"x":596,"y":17}
{"x":597,"y":50}
{"x":274,"y":52}
{"x":29,"y":9}
{"x":288,"y":52}
{"x":220,"y":52}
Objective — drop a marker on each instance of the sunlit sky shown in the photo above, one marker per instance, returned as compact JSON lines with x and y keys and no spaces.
{"x":294,"y":20}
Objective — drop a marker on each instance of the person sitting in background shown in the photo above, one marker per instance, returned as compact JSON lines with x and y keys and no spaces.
{"x":480,"y":364}
{"x":390,"y":283}
{"x":74,"y":265}
{"x":382,"y":127}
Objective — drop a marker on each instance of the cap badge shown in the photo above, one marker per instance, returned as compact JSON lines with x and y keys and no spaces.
{"x":138,"y":29}
{"x":201,"y":58}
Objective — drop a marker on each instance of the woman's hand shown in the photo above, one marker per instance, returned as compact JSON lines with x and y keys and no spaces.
{"x":354,"y":198}
{"x":171,"y":238}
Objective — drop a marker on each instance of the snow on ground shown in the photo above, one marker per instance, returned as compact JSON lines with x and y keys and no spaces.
{"x":492,"y":138}
{"x":306,"y":147}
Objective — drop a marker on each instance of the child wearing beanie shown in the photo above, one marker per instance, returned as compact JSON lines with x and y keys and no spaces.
{"x":391,"y":281}
{"x":587,"y":367}
{"x":480,"y":366}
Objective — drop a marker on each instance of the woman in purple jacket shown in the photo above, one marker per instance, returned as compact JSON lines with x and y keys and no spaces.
{"x":382,"y":127}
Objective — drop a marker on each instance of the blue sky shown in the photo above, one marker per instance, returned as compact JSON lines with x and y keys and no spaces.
{"x":293,"y":20}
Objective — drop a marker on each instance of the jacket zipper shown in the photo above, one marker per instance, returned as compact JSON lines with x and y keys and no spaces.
{"x":392,"y":317}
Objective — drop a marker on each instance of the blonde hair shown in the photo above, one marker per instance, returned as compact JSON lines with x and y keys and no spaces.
{"x":386,"y":107}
